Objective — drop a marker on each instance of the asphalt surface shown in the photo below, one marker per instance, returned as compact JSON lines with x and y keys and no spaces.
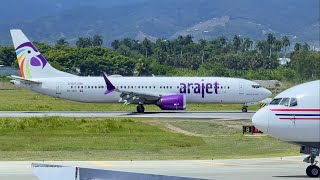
{"x":157,"y":114}
{"x":267,"y":168}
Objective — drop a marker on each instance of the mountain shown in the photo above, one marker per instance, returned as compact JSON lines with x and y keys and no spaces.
{"x":52,"y":19}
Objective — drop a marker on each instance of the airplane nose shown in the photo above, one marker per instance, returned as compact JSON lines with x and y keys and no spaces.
{"x":268,"y":93}
{"x":260,"y":120}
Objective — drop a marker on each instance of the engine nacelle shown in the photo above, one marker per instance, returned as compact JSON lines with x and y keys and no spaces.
{"x":173,"y":102}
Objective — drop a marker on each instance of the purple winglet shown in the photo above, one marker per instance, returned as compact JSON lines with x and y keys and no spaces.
{"x":110,"y":87}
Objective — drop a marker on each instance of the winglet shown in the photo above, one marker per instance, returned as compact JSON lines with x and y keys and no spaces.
{"x":110,"y":86}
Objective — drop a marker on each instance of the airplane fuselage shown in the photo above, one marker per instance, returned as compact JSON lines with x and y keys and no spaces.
{"x":196,"y":89}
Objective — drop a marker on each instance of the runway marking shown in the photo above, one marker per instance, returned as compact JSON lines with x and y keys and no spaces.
{"x":104,"y":164}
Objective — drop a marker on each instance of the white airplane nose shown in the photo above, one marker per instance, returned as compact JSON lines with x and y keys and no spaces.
{"x":260,"y":120}
{"x":267,"y":93}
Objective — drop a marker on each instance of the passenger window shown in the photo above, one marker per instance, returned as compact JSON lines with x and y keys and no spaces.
{"x":285,"y":101}
{"x":293,"y":102}
{"x":275,"y":101}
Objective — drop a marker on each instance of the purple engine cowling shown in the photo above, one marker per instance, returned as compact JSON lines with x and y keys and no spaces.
{"x":173,"y":102}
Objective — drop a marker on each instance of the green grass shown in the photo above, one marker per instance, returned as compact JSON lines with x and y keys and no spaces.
{"x":58,"y":138}
{"x":26,"y":100}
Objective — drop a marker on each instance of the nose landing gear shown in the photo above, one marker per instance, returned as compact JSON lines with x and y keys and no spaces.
{"x":245,"y":109}
{"x":313,"y":170}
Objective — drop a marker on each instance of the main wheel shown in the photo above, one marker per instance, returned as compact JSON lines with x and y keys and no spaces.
{"x":244,"y":109}
{"x":313,"y":171}
{"x":140,"y":108}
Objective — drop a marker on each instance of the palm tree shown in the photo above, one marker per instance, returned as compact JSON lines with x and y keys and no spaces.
{"x":115,"y":44}
{"x":247,"y":44}
{"x":127,"y":42}
{"x":270,"y":39}
{"x":180,"y":41}
{"x":306,"y":47}
{"x":188,"y":39}
{"x":146,"y":45}
{"x":285,"y":43}
{"x":237,"y":42}
{"x":61,"y":43}
{"x":297,"y":47}
{"x":223,"y":41}
{"x":97,"y":40}
{"x":203,"y":44}
{"x":278,"y":45}
{"x":81,"y":42}
{"x":262,"y":46}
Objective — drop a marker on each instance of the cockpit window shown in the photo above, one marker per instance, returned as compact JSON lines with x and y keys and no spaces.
{"x":285,"y":101}
{"x":256,"y":86}
{"x":275,"y":101}
{"x":293,"y":102}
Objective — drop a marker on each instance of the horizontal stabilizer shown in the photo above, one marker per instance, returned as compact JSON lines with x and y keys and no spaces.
{"x":26,"y":81}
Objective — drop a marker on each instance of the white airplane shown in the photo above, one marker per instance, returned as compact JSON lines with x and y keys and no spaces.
{"x":169,"y":93}
{"x":294,"y":116}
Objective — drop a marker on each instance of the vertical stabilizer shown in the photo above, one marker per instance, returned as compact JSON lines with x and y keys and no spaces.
{"x":31,"y":62}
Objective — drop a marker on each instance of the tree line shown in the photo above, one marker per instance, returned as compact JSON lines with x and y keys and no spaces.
{"x":182,"y":56}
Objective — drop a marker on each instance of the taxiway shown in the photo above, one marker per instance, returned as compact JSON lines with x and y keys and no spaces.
{"x":231,"y":115}
{"x":241,"y":169}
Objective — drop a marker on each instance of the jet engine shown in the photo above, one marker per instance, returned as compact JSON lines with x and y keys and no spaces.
{"x":172,"y":102}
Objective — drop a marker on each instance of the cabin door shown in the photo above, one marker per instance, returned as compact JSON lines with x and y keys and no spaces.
{"x":58,"y":88}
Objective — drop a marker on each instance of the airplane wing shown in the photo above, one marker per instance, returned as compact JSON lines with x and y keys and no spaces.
{"x":127,"y":96}
{"x":26,"y":81}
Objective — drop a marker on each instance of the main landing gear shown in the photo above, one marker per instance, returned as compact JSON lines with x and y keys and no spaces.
{"x":140,"y":108}
{"x":313,"y":170}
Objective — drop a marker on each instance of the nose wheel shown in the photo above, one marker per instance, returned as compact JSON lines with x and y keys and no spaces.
{"x":244,"y":109}
{"x":313,"y":171}
{"x":140,"y":108}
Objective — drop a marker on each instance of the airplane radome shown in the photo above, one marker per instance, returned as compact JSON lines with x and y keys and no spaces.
{"x":169,"y":93}
{"x":294,"y":116}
